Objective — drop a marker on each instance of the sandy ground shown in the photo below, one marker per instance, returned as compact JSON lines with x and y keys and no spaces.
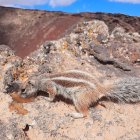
{"x":50,"y":121}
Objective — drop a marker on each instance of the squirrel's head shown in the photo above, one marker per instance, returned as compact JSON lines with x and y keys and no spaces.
{"x":30,"y":88}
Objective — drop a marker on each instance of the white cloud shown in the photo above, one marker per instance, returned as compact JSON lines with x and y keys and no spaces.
{"x":23,"y":2}
{"x":128,"y":1}
{"x":53,"y":3}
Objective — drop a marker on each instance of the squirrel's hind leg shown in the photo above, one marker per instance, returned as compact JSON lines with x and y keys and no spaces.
{"x":76,"y":115}
{"x":82,"y":112}
{"x":81,"y":106}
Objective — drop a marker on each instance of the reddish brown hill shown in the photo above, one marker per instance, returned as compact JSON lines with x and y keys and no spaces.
{"x":25,"y":30}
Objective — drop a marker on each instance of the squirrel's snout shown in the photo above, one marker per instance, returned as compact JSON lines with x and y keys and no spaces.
{"x":8,"y":88}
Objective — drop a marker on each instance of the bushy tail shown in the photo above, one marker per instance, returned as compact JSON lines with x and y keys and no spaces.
{"x":126,"y":90}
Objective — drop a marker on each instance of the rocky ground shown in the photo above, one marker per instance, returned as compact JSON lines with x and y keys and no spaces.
{"x":108,"y":52}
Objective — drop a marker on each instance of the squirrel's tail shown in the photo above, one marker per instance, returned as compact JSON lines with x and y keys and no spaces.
{"x":126,"y":90}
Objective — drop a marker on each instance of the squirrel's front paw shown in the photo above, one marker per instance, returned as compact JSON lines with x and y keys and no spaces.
{"x":49,"y":99}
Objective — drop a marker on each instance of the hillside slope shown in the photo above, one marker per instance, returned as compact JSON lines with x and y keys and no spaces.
{"x":25,"y":30}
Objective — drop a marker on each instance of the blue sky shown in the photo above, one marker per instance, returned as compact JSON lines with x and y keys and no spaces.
{"x":129,"y":7}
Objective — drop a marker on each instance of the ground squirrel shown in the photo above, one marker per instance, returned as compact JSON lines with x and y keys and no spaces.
{"x":83,"y":89}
